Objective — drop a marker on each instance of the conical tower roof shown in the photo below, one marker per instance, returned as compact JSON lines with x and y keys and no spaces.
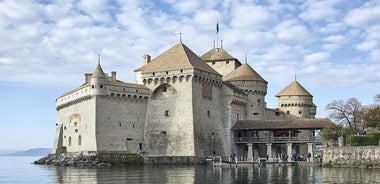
{"x":243,"y":72}
{"x":98,"y":73}
{"x":294,"y":89}
{"x":176,"y":58}
{"x":216,"y":55}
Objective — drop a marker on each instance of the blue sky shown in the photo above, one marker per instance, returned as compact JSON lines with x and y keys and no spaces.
{"x":47,"y":46}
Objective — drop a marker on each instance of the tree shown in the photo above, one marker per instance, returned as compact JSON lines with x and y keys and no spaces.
{"x":372,"y":117}
{"x":376,"y":98}
{"x":347,"y":113}
{"x":333,"y":131}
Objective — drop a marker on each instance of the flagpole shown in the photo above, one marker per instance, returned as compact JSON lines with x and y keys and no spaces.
{"x":217,"y":33}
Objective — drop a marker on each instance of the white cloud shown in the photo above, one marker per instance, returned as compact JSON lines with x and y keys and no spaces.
{"x":367,"y":45}
{"x":364,"y":15}
{"x":292,"y":30}
{"x":319,"y":10}
{"x":316,"y":57}
{"x":250,"y":16}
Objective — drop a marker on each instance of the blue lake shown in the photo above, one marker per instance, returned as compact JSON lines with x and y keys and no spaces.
{"x":20,"y":170}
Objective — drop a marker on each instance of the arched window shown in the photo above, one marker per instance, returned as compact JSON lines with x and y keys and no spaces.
{"x":69,"y":141}
{"x":79,"y":140}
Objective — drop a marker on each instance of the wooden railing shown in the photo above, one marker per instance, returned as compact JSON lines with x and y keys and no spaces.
{"x":275,"y":140}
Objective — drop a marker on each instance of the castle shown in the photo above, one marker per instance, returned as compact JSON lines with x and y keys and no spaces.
{"x":183,"y":105}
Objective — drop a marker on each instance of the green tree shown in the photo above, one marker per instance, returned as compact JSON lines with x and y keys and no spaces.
{"x":333,"y":131}
{"x":372,"y":117}
{"x":347,"y":113}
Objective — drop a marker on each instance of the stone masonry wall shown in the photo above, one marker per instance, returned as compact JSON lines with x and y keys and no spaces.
{"x":353,"y":156}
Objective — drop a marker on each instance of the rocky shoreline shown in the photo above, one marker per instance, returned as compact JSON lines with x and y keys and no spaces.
{"x":71,"y":160}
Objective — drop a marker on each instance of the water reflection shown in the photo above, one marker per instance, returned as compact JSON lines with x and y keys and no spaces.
{"x":209,"y":174}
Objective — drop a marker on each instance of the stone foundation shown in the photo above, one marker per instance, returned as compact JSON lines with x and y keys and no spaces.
{"x":353,"y":156}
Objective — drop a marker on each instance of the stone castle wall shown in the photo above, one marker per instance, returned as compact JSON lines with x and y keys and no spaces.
{"x":169,"y":121}
{"x":120,"y":123}
{"x":78,"y":126}
{"x":352,"y":156}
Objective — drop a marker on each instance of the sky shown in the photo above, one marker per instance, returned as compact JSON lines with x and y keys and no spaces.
{"x":331,"y":46}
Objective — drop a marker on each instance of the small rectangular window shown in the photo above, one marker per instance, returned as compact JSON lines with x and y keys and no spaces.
{"x":287,"y":112}
{"x":299,"y":112}
{"x":208,"y":114}
{"x":101,"y":86}
{"x":166,"y":112}
{"x":76,"y":130}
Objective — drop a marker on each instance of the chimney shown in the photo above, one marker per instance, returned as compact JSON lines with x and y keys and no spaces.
{"x":87,"y":77}
{"x":113,"y":73}
{"x":146,"y":59}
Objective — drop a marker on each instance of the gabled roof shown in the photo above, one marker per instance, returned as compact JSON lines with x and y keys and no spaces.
{"x":294,"y":89}
{"x":176,"y":58}
{"x":217,"y":54}
{"x":243,"y":72}
{"x":300,"y":124}
{"x":98,"y":73}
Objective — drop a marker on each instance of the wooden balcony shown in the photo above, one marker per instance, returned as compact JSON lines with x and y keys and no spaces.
{"x":274,"y":140}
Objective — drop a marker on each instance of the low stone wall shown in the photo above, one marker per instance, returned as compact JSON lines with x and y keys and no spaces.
{"x":174,"y":160}
{"x":352,"y":156}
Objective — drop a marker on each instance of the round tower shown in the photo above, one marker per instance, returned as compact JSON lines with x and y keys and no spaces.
{"x":251,"y":83}
{"x":98,"y":81}
{"x":296,"y":101}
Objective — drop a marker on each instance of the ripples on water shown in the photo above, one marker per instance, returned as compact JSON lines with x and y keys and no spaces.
{"x":19,"y":170}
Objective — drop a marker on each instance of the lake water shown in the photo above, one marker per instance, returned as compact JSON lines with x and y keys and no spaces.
{"x":19,"y":170}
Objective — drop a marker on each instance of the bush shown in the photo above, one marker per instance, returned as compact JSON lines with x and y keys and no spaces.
{"x":370,"y":139}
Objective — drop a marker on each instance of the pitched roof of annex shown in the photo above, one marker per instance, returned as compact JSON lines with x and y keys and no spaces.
{"x":300,"y":124}
{"x":244,"y":72}
{"x":294,"y":89}
{"x":176,"y":58}
{"x":217,"y":54}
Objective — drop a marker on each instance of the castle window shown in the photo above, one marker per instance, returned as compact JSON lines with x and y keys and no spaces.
{"x":227,"y":62}
{"x":137,"y":91}
{"x":69,"y":141}
{"x":64,"y":128}
{"x":79,"y":140}
{"x":237,"y":116}
{"x":140,"y":145}
{"x":299,"y":112}
{"x":255,"y":113}
{"x":259,"y":102}
{"x":75,"y":123}
{"x":167,"y":72}
{"x":153,"y":73}
{"x":287,"y":112}
{"x":92,"y":86}
{"x":101,"y":86}
{"x":181,"y":71}
{"x":277,"y":113}
{"x":164,"y":89}
{"x":133,"y":125}
{"x":76,"y":130}
{"x":163,"y":132}
{"x":119,"y":124}
{"x":166,"y":112}
{"x":213,"y":62}
{"x":208,"y":114}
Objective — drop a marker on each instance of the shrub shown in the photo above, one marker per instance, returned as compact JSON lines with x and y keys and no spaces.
{"x":370,"y":139}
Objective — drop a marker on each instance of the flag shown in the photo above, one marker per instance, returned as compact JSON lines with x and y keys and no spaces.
{"x":217,"y":27}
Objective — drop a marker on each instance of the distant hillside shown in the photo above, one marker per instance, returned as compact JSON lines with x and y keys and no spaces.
{"x":31,"y":152}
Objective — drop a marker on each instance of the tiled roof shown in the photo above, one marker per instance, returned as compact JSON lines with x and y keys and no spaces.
{"x":294,"y":89}
{"x":301,"y":124}
{"x":217,"y":54}
{"x":176,"y":58}
{"x":243,"y":72}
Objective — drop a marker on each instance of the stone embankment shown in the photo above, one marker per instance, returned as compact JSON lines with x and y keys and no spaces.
{"x":352,"y":156}
{"x":90,"y":160}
